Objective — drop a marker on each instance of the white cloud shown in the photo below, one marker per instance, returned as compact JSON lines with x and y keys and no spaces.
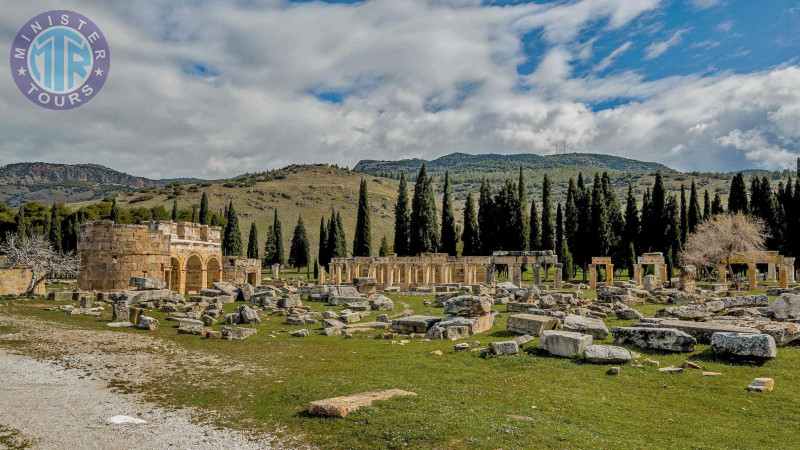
{"x":703,"y":4}
{"x":725,"y":27}
{"x":657,"y":49}
{"x":608,"y":60}
{"x":420,"y":79}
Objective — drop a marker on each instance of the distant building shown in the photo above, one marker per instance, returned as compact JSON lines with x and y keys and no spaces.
{"x":188,"y":256}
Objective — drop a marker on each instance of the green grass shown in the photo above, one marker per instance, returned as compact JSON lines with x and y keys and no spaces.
{"x":10,"y":438}
{"x":465,"y":399}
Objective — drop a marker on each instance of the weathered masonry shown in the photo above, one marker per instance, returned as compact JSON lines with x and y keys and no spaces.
{"x":437,"y":268}
{"x":188,"y":256}
{"x":15,"y":281}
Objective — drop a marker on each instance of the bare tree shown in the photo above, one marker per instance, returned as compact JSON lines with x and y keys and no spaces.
{"x":724,"y":237}
{"x":36,"y":254}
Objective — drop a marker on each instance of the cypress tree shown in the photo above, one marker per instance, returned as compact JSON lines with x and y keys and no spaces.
{"x":299,"y":251}
{"x":505,"y":205}
{"x":362,"y":241}
{"x":322,"y":254}
{"x":449,"y":233}
{"x":402,"y":219}
{"x":114,"y":211}
{"x":316,"y":269}
{"x":673,"y":242}
{"x":559,"y":229}
{"x":252,"y":242}
{"x":616,"y":222}
{"x":631,"y":234}
{"x":214,"y":220}
{"x":571,"y":214}
{"x":631,"y":260}
{"x":601,"y":228}
{"x":706,"y":205}
{"x":716,"y":206}
{"x":737,"y":199}
{"x":565,"y":257}
{"x":523,"y":224}
{"x":385,"y":249}
{"x":232,"y":242}
{"x":472,"y":244}
{"x":333,"y":239}
{"x":695,"y":216}
{"x":55,"y":229}
{"x":424,"y":227}
{"x":486,"y":218}
{"x":205,"y":214}
{"x":658,"y":215}
{"x":584,"y":236}
{"x":269,"y":247}
{"x":174,"y":210}
{"x":341,"y":240}
{"x":46,"y":225}
{"x":684,"y":218}
{"x":195,"y":214}
{"x":645,"y":239}
{"x":535,"y":239}
{"x":547,"y":215}
{"x":154,"y":213}
{"x":277,"y":232}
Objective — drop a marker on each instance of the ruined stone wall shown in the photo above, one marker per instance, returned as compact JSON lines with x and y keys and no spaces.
{"x":111,"y":254}
{"x":15,"y":282}
{"x":238,"y":270}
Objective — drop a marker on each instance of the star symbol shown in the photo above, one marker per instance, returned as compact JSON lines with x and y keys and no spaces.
{"x":22,"y":71}
{"x":98,"y":72}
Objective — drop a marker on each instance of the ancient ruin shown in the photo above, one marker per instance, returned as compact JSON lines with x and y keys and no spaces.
{"x":187,"y":256}
{"x":604,"y":261}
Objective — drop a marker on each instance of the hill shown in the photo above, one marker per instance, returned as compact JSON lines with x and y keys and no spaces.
{"x":68,"y":183}
{"x":462,"y":162}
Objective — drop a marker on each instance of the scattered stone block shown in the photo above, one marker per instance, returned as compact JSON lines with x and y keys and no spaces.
{"x":230,"y":333}
{"x":671,"y":369}
{"x":467,"y":305}
{"x":382,"y":303}
{"x":761,"y":385}
{"x":586,"y":325}
{"x":667,"y":339}
{"x":746,"y":346}
{"x":504,"y":348}
{"x":628,"y":314}
{"x":147,"y":283}
{"x":690,"y":365}
{"x":786,"y":306}
{"x":414,"y":324}
{"x":606,"y":354}
{"x":134,"y":314}
{"x":344,"y":405}
{"x":148,"y":323}
{"x":711,"y":374}
{"x":190,"y":326}
{"x":701,"y":331}
{"x":461,"y":346}
{"x":613,"y":371}
{"x":531,"y":324}
{"x":436,"y":352}
{"x":119,"y":324}
{"x":119,"y":311}
{"x":213,"y":334}
{"x":566,"y":344}
{"x":299,"y":333}
{"x":226,"y":288}
{"x":382,"y":318}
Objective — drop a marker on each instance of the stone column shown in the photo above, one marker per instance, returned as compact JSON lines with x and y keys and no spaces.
{"x":515,"y":274}
{"x":771,"y":272}
{"x":390,"y":275}
{"x":557,"y":273}
{"x":637,"y":274}
{"x":789,"y":261}
{"x":321,"y":277}
{"x":537,"y":273}
{"x":657,"y":272}
{"x":688,"y":275}
{"x":609,"y":274}
{"x":489,"y":273}
{"x":409,"y":280}
{"x":426,"y":275}
{"x":784,"y":276}
{"x":752,"y":274}
{"x":664,"y":276}
{"x":722,"y":274}
{"x":592,"y":276}
{"x":467,"y":270}
{"x":204,"y":278}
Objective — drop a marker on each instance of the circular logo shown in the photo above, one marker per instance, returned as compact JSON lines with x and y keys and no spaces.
{"x":60,"y":59}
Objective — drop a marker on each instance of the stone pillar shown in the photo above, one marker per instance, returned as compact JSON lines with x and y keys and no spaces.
{"x":789,"y":261}
{"x":390,"y":275}
{"x":657,"y":272}
{"x":537,"y":273}
{"x":784,"y":275}
{"x":557,"y":273}
{"x":752,"y":274}
{"x":409,"y":280}
{"x":467,"y":274}
{"x":637,"y":274}
{"x":664,"y":275}
{"x":426,"y":276}
{"x":338,"y":269}
{"x":771,"y":275}
{"x":276,"y":270}
{"x":722,"y":274}
{"x":321,"y":277}
{"x":609,"y":274}
{"x":688,"y":275}
{"x":592,"y":276}
{"x":204,"y":278}
{"x":515,"y":274}
{"x":490,"y":273}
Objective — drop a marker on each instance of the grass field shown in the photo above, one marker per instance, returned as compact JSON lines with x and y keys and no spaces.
{"x":466,"y":399}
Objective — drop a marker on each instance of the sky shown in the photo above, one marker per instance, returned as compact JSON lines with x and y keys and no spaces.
{"x":214,"y":89}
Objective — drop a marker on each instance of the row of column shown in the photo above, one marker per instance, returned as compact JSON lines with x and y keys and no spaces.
{"x":405,"y":274}
{"x":660,"y":272}
{"x":593,"y":275}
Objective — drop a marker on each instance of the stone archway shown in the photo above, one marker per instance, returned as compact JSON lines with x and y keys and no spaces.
{"x":213,"y":272}
{"x":194,"y":274}
{"x":176,"y":275}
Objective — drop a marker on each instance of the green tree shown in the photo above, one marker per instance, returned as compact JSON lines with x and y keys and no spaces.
{"x":195,"y":214}
{"x":205,"y":214}
{"x":565,"y":257}
{"x":232,"y":242}
{"x":737,"y":199}
{"x":174,"y":210}
{"x":535,"y":237}
{"x":362,"y":241}
{"x":55,"y":229}
{"x":424,"y":227}
{"x":658,"y":215}
{"x":299,"y":251}
{"x":252,"y":242}
{"x":706,"y":205}
{"x":115,"y":215}
{"x":684,"y":218}
{"x":631,"y":234}
{"x":571,"y":214}
{"x":486,"y":218}
{"x":673,"y":237}
{"x":402,"y":219}
{"x":694,"y":214}
{"x":601,"y":228}
{"x":716,"y":206}
{"x":385,"y":249}
{"x":341,"y":239}
{"x":559,"y":229}
{"x":472,"y":244}
{"x":547,"y":215}
{"x":277,"y":232}
{"x":523,"y":227}
{"x":322,"y":254}
{"x":449,"y":232}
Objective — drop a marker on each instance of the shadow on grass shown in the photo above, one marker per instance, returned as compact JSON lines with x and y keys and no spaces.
{"x":708,"y":356}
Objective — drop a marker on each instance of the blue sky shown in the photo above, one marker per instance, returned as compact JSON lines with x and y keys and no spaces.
{"x":249,"y":85}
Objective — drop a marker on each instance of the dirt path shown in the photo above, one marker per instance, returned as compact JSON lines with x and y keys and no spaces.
{"x":57,"y":394}
{"x":406,"y":310}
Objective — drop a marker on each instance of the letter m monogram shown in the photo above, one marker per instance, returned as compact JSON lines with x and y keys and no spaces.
{"x":19,"y":53}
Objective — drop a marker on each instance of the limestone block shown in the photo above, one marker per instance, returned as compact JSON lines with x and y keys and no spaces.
{"x":742,"y":345}
{"x":666,"y":339}
{"x":566,"y":344}
{"x":530,"y":324}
